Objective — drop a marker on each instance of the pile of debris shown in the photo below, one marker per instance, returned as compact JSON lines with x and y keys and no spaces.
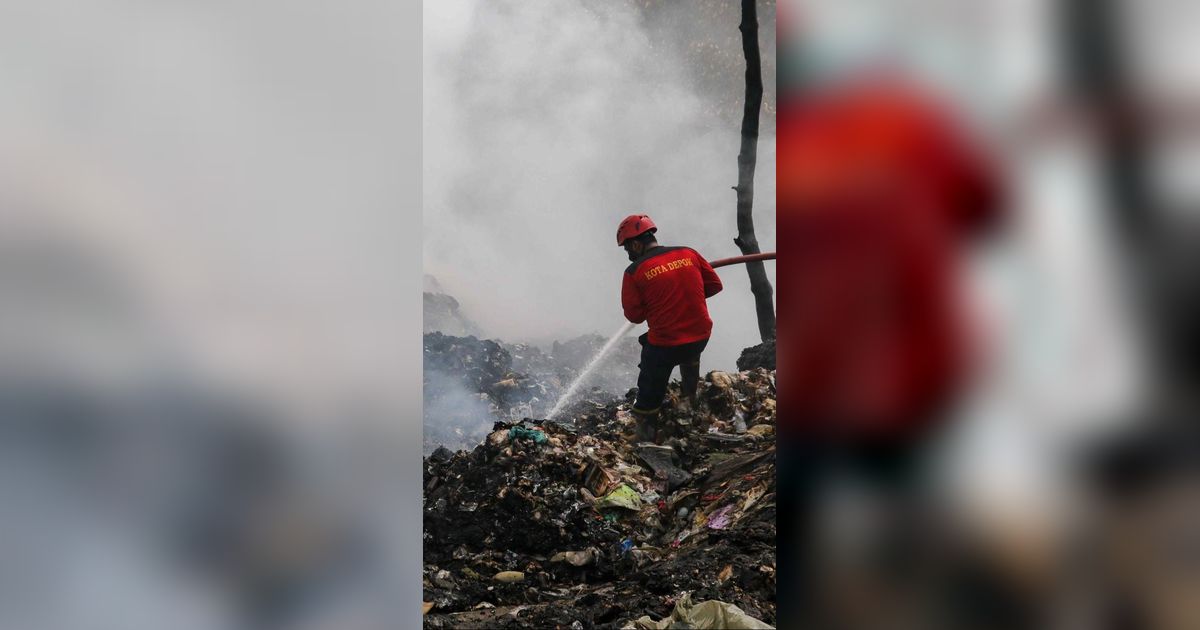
{"x":760,"y":356}
{"x":469,"y":382}
{"x":443,"y":313}
{"x":576,"y":525}
{"x":484,"y":367}
{"x":563,"y":361}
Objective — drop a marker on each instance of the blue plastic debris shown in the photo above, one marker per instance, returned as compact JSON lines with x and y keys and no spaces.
{"x":521,"y":432}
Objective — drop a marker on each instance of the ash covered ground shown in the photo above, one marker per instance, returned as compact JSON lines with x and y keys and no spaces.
{"x":573,"y":523}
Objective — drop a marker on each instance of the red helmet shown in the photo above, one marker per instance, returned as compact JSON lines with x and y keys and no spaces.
{"x":634,"y":225}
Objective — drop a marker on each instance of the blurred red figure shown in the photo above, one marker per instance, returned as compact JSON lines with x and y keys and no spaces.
{"x":877,"y":191}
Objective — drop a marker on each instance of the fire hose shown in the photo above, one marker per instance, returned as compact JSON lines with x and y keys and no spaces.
{"x":742,"y":259}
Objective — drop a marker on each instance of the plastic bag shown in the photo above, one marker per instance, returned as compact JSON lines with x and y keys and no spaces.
{"x":533,"y":434}
{"x":623,"y":497}
{"x":707,"y":615}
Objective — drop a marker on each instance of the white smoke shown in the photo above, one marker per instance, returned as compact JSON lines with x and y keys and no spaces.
{"x":545,"y":124}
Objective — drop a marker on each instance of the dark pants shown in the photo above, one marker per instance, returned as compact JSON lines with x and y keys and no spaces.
{"x":656,"y":366}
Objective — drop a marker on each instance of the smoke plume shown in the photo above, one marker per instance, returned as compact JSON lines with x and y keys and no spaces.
{"x":547,"y":123}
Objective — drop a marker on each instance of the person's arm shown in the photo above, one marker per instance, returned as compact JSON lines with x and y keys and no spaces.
{"x":712,"y":282}
{"x":631,"y":300}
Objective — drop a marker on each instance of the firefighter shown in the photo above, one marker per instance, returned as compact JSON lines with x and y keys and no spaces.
{"x":666,"y":287}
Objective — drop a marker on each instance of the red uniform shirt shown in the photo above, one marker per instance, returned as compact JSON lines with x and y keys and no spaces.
{"x":667,"y":288}
{"x":877,"y":192}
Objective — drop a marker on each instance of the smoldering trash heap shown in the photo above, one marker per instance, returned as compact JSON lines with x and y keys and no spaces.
{"x":573,"y":523}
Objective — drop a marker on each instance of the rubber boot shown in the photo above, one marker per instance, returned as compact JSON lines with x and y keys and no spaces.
{"x":647,"y":428}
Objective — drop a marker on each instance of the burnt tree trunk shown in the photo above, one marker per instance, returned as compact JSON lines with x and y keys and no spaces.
{"x":747,"y":159}
{"x":1097,"y":74}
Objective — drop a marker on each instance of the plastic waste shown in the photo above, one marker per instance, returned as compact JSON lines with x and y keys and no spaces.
{"x":721,"y":518}
{"x":517,"y":433}
{"x":739,"y":422}
{"x":663,"y":460}
{"x":621,"y":497}
{"x":707,"y":615}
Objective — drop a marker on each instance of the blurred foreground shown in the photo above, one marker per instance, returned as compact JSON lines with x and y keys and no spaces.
{"x":986,"y":315}
{"x":207,"y":393}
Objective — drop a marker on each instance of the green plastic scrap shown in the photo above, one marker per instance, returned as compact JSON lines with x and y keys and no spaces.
{"x":623,"y":497}
{"x":533,"y":434}
{"x":706,"y":615}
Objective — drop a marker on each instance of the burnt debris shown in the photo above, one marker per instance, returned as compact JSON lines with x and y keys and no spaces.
{"x":576,"y":525}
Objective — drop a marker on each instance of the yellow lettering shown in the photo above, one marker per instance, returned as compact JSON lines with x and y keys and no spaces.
{"x":671,"y":266}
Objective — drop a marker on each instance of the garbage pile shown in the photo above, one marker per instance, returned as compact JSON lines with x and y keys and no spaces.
{"x":470,"y":382}
{"x":565,"y":360}
{"x":760,"y":356}
{"x":442,"y":314}
{"x":484,"y":367}
{"x":576,"y":525}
